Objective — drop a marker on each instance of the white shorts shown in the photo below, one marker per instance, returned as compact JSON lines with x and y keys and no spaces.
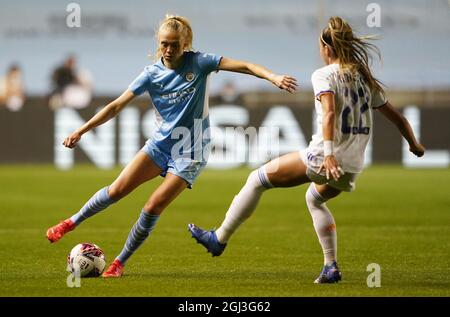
{"x":345,"y":183}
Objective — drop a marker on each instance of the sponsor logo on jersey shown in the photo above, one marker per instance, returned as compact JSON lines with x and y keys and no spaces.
{"x":179,"y":96}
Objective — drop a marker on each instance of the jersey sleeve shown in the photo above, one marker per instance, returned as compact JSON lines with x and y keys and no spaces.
{"x":322,"y":83}
{"x":140,"y":84}
{"x":208,"y":62}
{"x":378,"y":99}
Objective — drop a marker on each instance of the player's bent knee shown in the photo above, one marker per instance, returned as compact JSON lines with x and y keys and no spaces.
{"x":309,"y":199}
{"x":253,"y":177}
{"x":313,"y":198}
{"x":254,"y":181}
{"x":117,"y":192}
{"x":155,"y":206}
{"x":259,"y":180}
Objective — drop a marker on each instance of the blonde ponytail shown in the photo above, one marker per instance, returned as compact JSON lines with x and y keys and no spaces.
{"x":353,"y":52}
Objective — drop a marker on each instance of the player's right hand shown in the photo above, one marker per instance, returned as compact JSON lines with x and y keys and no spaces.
{"x":331,"y":167}
{"x":417,"y":149}
{"x":72,"y":140}
{"x":285,"y":82}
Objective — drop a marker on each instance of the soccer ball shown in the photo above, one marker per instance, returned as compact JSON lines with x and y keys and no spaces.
{"x":86,"y":260}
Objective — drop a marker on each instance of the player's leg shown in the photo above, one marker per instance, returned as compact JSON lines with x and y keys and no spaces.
{"x":324,"y":224}
{"x":325,"y":227}
{"x":285,"y":171}
{"x":171,"y":187}
{"x":139,"y":170}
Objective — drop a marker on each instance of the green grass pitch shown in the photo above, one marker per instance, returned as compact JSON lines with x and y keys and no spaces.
{"x":398,"y":218}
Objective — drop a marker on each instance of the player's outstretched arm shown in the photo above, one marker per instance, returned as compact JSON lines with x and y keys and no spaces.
{"x":403,"y":126}
{"x":108,"y":112}
{"x":285,"y":82}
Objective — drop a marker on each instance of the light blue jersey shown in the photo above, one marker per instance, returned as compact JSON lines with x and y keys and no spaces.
{"x":180,"y":99}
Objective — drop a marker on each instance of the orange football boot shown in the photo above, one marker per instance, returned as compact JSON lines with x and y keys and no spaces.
{"x":114,"y":270}
{"x":56,"y":232}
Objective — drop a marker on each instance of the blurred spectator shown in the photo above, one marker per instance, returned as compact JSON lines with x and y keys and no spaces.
{"x":11,"y":89}
{"x":229,"y":94}
{"x":71,"y":88}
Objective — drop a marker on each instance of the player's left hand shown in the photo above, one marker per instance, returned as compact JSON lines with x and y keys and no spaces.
{"x":72,"y":140}
{"x":417,"y":149}
{"x":285,"y":82}
{"x":331,"y":167}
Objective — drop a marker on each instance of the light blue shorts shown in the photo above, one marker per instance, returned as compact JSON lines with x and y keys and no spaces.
{"x":184,"y":167}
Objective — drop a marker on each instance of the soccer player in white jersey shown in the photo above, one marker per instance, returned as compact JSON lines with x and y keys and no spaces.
{"x":178,"y":150}
{"x":345,"y":94}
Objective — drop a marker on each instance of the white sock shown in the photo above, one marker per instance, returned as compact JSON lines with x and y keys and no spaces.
{"x":244,"y":203}
{"x":323,"y":223}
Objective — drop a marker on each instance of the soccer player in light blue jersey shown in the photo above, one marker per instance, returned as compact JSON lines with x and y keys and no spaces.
{"x":178,"y":150}
{"x":346,"y":92}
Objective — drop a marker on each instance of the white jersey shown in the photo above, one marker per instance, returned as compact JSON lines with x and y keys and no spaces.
{"x":354,"y":102}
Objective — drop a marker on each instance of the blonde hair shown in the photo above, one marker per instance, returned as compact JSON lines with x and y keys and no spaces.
{"x":353,"y":52}
{"x":177,"y":24}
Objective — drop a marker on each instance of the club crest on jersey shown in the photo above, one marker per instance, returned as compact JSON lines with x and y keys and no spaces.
{"x":190,"y":76}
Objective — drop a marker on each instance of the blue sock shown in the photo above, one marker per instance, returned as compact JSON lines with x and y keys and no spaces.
{"x":97,"y":203}
{"x":140,"y":231}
